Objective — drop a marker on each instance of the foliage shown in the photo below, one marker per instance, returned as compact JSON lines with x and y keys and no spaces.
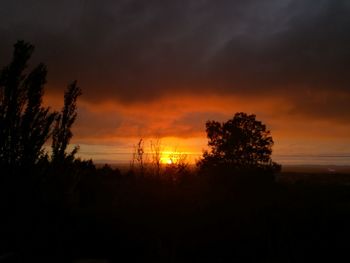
{"x":242,"y":142}
{"x":63,"y":123}
{"x":25,"y":125}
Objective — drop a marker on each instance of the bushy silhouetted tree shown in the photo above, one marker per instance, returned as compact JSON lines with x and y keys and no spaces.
{"x":63,"y":124}
{"x":25,"y":125}
{"x":242,"y":142}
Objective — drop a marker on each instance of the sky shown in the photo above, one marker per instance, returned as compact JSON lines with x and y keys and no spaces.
{"x":161,"y":69}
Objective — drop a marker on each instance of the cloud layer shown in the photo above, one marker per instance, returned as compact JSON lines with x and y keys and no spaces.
{"x":287,"y":60}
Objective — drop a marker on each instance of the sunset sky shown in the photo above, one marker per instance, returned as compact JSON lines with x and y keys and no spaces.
{"x":161,"y":69}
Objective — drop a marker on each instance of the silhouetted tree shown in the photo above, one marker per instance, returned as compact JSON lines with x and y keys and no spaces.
{"x":242,"y":142}
{"x":24,"y":124}
{"x":63,"y":123}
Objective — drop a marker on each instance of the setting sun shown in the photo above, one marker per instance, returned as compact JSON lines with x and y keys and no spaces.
{"x":167,"y":157}
{"x":175,"y":157}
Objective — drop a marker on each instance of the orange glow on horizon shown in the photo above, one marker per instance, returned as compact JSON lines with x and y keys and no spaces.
{"x":180,"y":124}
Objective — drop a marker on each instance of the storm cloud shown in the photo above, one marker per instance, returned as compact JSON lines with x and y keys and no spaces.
{"x":133,"y":51}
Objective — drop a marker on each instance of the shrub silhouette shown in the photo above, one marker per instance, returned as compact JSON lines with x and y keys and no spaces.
{"x":242,"y":143}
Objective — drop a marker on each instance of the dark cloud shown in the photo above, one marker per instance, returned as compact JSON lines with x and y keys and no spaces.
{"x":135,"y":50}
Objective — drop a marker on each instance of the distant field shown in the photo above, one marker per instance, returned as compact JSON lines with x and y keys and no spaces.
{"x":328,"y":169}
{"x":324,"y":169}
{"x":325,"y":175}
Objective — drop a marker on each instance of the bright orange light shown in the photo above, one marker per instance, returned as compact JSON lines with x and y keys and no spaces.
{"x":166,"y":158}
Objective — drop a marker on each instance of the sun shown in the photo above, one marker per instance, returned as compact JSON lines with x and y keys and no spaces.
{"x":167,"y":158}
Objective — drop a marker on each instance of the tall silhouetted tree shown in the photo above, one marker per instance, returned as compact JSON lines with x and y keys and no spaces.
{"x":63,"y":124}
{"x":242,"y":142}
{"x":25,"y":125}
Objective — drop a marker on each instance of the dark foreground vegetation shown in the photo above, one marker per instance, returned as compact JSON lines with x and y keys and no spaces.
{"x":198,"y":218}
{"x":234,"y":207}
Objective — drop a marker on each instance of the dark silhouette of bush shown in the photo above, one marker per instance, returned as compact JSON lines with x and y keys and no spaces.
{"x":241,"y":143}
